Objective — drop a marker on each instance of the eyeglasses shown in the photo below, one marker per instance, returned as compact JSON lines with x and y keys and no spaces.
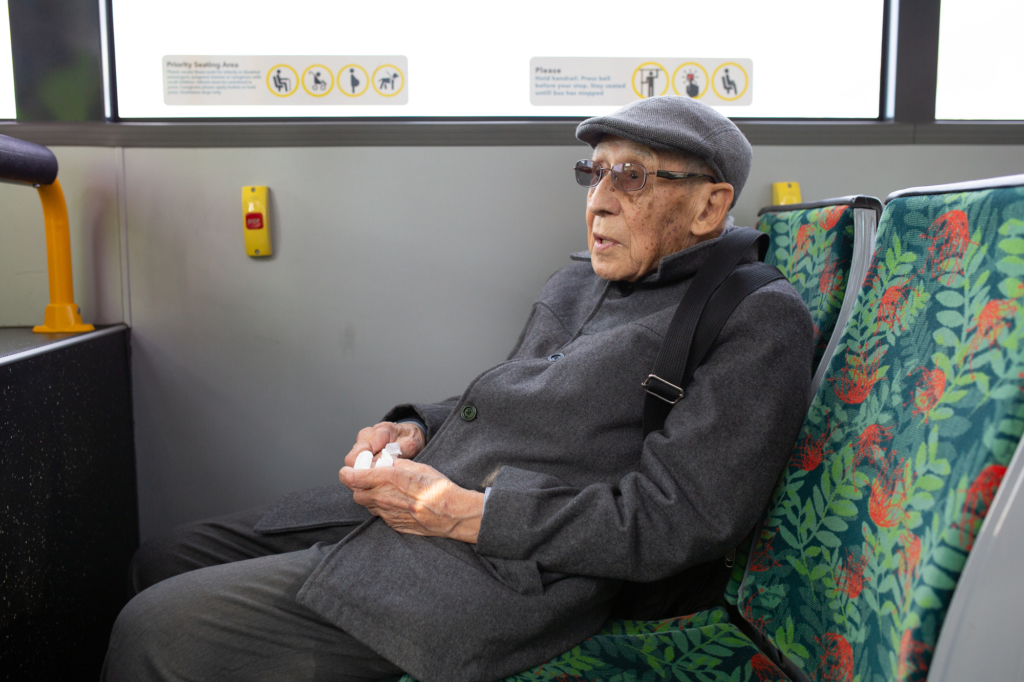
{"x":628,"y":177}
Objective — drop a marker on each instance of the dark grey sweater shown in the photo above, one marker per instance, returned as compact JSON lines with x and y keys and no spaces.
{"x":579,"y":500}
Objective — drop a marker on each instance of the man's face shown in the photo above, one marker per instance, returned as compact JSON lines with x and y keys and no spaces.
{"x":629,"y":232}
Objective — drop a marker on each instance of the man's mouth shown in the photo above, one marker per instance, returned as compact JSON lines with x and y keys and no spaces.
{"x":603,"y":243}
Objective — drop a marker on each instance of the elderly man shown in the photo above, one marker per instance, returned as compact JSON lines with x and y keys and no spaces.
{"x":503,"y":534}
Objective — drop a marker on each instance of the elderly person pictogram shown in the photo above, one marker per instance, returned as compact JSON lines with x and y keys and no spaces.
{"x":506,"y":530}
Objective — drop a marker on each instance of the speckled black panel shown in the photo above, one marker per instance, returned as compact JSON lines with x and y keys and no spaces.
{"x":68,"y":508}
{"x":18,"y":339}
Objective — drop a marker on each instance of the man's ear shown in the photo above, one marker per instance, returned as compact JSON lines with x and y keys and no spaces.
{"x":717,"y":199}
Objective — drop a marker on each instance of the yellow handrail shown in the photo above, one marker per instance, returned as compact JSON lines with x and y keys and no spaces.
{"x":62,"y":315}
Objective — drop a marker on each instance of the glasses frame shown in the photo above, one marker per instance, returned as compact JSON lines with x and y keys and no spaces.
{"x":600,"y":171}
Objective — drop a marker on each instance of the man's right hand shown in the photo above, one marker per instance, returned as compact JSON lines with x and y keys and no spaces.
{"x":408,"y":436}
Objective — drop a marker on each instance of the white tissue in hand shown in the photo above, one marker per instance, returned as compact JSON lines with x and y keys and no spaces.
{"x":385,"y":460}
{"x":393,"y":449}
{"x":363,"y":460}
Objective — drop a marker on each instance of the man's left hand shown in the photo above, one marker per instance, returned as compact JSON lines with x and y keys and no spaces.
{"x":417,"y":499}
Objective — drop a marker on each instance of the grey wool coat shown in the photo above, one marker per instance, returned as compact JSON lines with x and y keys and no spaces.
{"x":580,"y":501}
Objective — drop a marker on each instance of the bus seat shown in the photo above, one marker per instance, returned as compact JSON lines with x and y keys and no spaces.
{"x":683,"y":648}
{"x":896,"y":466}
{"x":905,"y":443}
{"x":822,"y":247}
{"x":834,"y":237}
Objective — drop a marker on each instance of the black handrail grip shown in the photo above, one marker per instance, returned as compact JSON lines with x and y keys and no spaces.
{"x":28,"y":162}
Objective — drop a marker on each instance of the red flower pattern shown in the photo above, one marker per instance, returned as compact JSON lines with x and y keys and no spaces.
{"x":831,"y":278}
{"x":980,"y":495}
{"x":888,"y":501}
{"x":761,"y":622}
{"x":803,"y":240}
{"x":907,"y":559}
{"x":809,"y":453}
{"x":941,"y":261}
{"x":949,"y":236}
{"x":928,"y":390}
{"x":858,"y":377}
{"x":891,"y":305}
{"x":912,"y":649}
{"x":761,"y":558}
{"x":992,"y":321}
{"x":869,"y":442}
{"x":836,"y":663}
{"x":763,"y":668}
{"x":850,"y":574}
{"x":829,"y":218}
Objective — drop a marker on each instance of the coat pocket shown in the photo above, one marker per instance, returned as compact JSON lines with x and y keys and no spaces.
{"x":330,"y":505}
{"x":523,"y":576}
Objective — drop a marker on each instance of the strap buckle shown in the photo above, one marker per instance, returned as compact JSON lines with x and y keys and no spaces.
{"x":663,"y":390}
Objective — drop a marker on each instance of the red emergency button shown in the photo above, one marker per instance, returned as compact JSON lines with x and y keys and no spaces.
{"x":254,"y":221}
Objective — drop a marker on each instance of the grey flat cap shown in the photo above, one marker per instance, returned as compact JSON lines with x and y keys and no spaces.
{"x":681,"y":123}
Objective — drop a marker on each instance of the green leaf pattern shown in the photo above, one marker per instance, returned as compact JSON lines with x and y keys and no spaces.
{"x":813,"y":248}
{"x":703,"y":647}
{"x":903,"y":447}
{"x":897,"y":463}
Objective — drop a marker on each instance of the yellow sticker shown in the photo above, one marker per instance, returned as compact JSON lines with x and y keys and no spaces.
{"x":226,"y":80}
{"x":282,"y":80}
{"x":690,"y":79}
{"x":318,"y":80}
{"x":390,"y":79}
{"x":353,"y":80}
{"x":729,"y":81}
{"x":614,"y":81}
{"x":652,"y":77}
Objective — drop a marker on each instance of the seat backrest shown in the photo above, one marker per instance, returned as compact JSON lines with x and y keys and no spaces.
{"x":821,"y":247}
{"x":904,"y":445}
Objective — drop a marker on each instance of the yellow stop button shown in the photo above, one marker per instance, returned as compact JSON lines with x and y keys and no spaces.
{"x":256,"y":222}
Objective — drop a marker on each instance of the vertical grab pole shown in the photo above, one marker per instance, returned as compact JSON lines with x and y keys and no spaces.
{"x":62,"y":315}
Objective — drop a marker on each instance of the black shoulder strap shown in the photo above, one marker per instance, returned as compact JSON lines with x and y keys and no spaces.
{"x":717,"y":288}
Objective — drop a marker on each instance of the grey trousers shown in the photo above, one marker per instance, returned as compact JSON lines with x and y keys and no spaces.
{"x":216,"y":602}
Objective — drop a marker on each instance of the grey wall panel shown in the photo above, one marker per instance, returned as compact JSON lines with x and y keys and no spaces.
{"x":87,"y":176}
{"x":836,"y":171}
{"x":399,"y":273}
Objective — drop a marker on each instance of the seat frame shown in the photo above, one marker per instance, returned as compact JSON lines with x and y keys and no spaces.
{"x":867,"y":211}
{"x":951,"y":188}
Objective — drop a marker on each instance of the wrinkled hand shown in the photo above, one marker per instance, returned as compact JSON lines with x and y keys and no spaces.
{"x":417,"y":499}
{"x":408,"y":436}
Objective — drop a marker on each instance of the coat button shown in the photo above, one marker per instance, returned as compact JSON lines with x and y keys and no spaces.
{"x":555,"y":356}
{"x":625,"y":288}
{"x":469,"y":413}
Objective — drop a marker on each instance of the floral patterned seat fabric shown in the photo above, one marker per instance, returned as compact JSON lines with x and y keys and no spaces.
{"x":700,"y":647}
{"x":904,"y":446}
{"x":813,"y":248}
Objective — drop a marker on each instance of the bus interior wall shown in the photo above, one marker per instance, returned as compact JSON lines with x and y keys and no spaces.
{"x":398,"y":274}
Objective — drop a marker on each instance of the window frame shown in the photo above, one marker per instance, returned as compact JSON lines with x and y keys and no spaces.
{"x":110,"y":40}
{"x":906,"y":112}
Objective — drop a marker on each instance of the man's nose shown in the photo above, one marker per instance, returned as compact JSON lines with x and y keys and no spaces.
{"x":603,"y":198}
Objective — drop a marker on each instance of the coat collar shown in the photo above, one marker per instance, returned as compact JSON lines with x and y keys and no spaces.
{"x":679,"y":265}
